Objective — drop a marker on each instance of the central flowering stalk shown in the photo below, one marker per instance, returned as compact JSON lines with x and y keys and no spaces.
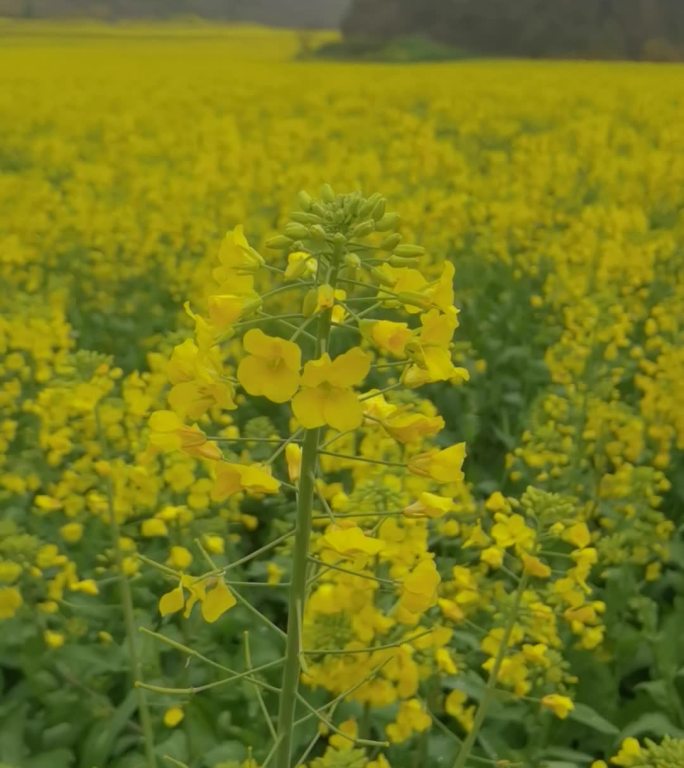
{"x":343,"y":365}
{"x":311,"y":410}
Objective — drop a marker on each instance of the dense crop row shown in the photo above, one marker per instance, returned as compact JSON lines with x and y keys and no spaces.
{"x":542,"y":587}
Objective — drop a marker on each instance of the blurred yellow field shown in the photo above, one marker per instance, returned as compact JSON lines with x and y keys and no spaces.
{"x":542,"y":587}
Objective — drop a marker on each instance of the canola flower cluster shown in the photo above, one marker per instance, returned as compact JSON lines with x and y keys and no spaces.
{"x":164,"y":445}
{"x":370,"y":332}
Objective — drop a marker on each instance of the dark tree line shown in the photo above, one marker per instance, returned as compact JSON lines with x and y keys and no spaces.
{"x":292,"y":13}
{"x":631,"y":29}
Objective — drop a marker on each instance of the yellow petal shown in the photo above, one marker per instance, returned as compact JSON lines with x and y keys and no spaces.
{"x":342,"y":409}
{"x":227,"y":481}
{"x":217,"y":601}
{"x":172,"y":601}
{"x":351,"y":368}
{"x":308,"y":406}
{"x":281,"y":384}
{"x":164,"y":421}
{"x":173,"y":716}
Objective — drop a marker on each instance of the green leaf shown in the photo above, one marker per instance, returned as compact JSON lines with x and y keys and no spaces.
{"x":567,"y":755}
{"x":229,"y":750}
{"x":98,"y":743}
{"x":658,"y":691}
{"x":560,"y":764}
{"x":60,"y":757}
{"x":12,"y":747}
{"x":652,"y":724}
{"x":582,"y":713}
{"x":60,"y":735}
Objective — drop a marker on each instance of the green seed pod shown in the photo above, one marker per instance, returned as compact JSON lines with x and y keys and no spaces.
{"x":352,"y":261}
{"x":363,"y":229}
{"x":402,"y":261}
{"x":327,"y":193}
{"x":279,"y":241}
{"x":310,"y":302}
{"x":250,"y":308}
{"x":379,"y":209}
{"x":414,"y":299}
{"x":301,"y":217}
{"x":296,"y":231}
{"x":409,"y":250}
{"x":352,"y":203}
{"x":388,"y":222}
{"x":317,"y":233}
{"x":367,"y":208}
{"x":381,"y":278}
{"x":304,"y":200}
{"x":391,"y":242}
{"x":348,"y":273}
{"x":366,"y":327}
{"x":296,"y":271}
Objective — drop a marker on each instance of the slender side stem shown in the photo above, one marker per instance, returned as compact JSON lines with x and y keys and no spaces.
{"x":490,"y":688}
{"x":257,"y":691}
{"x":126,"y":598}
{"x":291,"y":671}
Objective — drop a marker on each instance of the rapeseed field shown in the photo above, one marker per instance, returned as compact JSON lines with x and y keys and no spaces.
{"x":341,"y":406}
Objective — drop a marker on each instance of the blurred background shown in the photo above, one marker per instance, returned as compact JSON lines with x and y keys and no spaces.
{"x":602,"y":29}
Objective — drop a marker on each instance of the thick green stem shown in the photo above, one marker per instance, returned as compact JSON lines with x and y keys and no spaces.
{"x":291,"y":671}
{"x":289,"y":687}
{"x":490,"y":688}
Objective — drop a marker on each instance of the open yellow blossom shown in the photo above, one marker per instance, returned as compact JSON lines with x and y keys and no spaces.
{"x":419,"y":588}
{"x":169,"y":433}
{"x":153,"y":527}
{"x":561,"y":706}
{"x":578,"y":535}
{"x":225,"y":309}
{"x":412,"y":427}
{"x":179,"y":558}
{"x":10,"y":602}
{"x":214,"y":596}
{"x":630,"y":751}
{"x":71,"y":532}
{"x":271,"y":367}
{"x":388,"y":336}
{"x":53,"y":639}
{"x":251,"y":478}
{"x":443,"y":466}
{"x":430,"y":351}
{"x":351,"y":541}
{"x":326,"y":396}
{"x":511,"y":531}
{"x":533,"y":566}
{"x":236,"y":256}
{"x":9,"y":571}
{"x":173,"y":716}
{"x":194,"y":398}
{"x":493,"y":556}
{"x":411,"y":718}
{"x":429,"y":505}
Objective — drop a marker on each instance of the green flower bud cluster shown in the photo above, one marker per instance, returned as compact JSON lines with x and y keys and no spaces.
{"x":360,"y":225}
{"x":668,"y":754}
{"x":548,"y":508}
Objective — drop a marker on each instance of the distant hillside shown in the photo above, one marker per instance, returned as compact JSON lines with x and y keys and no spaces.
{"x":625,"y":29}
{"x":286,"y":13}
